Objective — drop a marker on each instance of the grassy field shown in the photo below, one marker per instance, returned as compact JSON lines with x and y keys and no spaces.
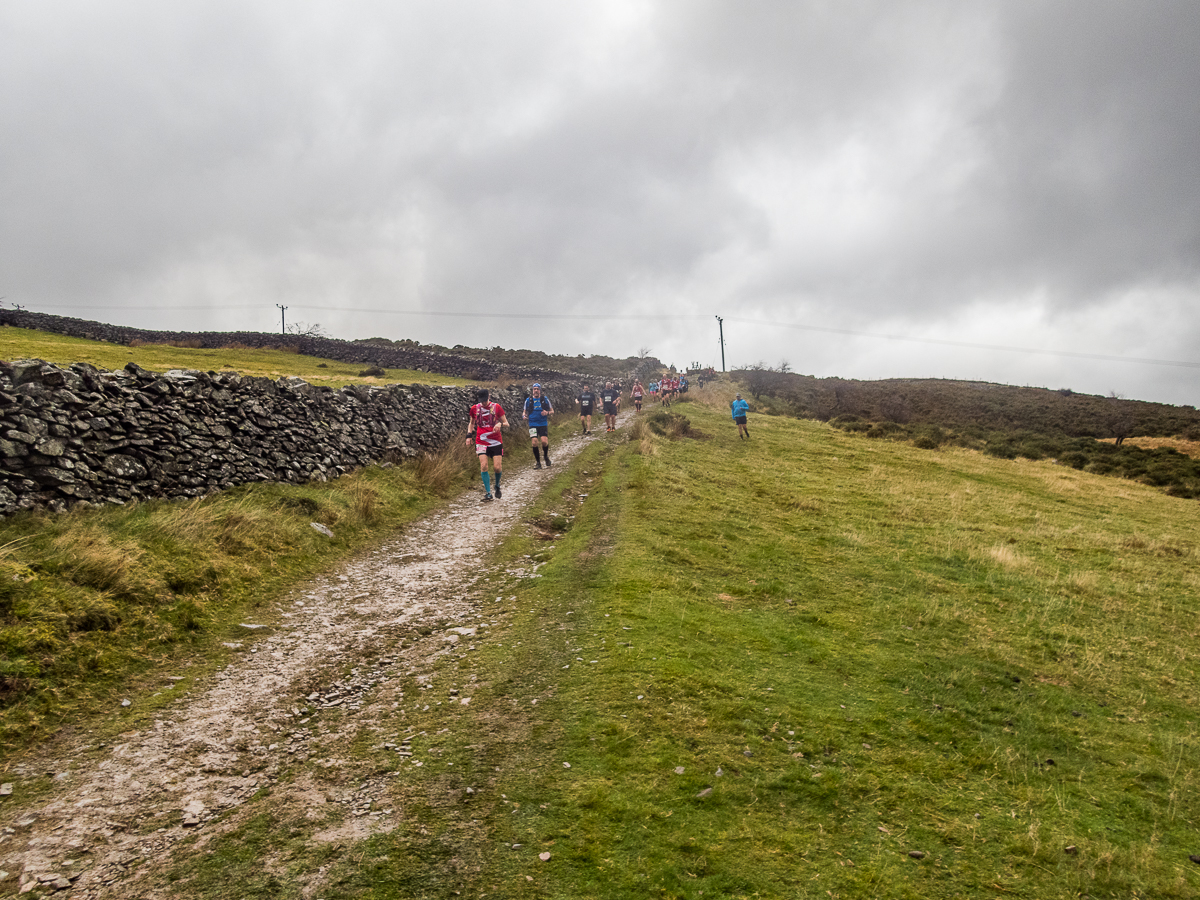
{"x":806,"y":665}
{"x":20,"y":343}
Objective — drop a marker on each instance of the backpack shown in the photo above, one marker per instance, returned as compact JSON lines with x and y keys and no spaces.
{"x":545,"y":405}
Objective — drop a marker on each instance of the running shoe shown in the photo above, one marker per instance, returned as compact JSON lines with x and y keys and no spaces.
{"x":547,"y":463}
{"x":537,"y":465}
{"x":486,"y":498}
{"x":499,"y":496}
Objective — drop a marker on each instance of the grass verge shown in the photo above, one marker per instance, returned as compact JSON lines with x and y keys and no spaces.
{"x":809,"y":666}
{"x":92,"y":598}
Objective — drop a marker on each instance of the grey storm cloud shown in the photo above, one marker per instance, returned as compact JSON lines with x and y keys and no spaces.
{"x":958,"y":171}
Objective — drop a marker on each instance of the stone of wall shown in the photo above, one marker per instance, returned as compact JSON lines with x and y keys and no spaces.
{"x":327,"y":348}
{"x":82,"y":435}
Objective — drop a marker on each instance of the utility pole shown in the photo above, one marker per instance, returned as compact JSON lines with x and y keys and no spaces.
{"x":282,"y":319}
{"x":721,"y":329}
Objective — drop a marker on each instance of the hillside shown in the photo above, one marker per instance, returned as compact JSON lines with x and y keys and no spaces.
{"x":597,"y":365}
{"x":803,"y":664}
{"x":462,"y":362}
{"x":972,"y":404}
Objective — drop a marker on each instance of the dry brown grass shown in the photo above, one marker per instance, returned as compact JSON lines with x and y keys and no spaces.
{"x":715,"y":395}
{"x":191,"y":521}
{"x":1189,"y":448}
{"x":1006,"y":556}
{"x":440,"y":471}
{"x":641,"y":435}
{"x":98,"y":560}
{"x":364,"y":502}
{"x":242,"y":525}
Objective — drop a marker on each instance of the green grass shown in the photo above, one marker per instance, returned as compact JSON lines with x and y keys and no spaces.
{"x":882,"y":649}
{"x":20,"y":343}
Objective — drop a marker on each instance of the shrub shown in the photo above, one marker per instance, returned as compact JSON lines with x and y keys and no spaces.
{"x":1074,"y":459}
{"x":851,"y":423}
{"x":672,"y":425}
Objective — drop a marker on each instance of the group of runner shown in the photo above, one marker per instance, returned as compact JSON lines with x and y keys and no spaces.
{"x":668,"y":388}
{"x":609,"y":401}
{"x":488,"y":418}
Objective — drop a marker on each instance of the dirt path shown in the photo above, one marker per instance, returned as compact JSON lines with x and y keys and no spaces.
{"x":117,"y":811}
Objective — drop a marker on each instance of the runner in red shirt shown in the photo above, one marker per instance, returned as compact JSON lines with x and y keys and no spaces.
{"x":486,"y":421}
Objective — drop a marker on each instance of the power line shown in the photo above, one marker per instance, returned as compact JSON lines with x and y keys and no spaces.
{"x":948,"y":343}
{"x":479,"y":315}
{"x":676,"y":317}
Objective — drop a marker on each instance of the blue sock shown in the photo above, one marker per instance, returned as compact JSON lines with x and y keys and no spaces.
{"x":487,"y":482}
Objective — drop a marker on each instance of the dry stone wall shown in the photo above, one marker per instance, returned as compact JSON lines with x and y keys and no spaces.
{"x":327,"y":348}
{"x":82,"y":435}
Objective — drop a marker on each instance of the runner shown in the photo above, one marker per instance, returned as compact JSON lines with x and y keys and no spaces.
{"x":610,"y":398}
{"x":486,"y":421}
{"x":739,"y":408}
{"x":537,"y":408}
{"x":637,"y":392}
{"x":586,"y":401}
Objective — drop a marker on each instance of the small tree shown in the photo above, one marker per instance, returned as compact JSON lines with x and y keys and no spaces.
{"x":1120,"y":419}
{"x":307,"y":329}
{"x":757,"y":378}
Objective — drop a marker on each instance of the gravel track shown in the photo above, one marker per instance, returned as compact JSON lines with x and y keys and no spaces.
{"x":118,"y":810}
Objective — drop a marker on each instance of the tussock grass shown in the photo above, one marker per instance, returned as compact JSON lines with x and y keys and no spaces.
{"x":1007,"y":556}
{"x":642,"y":436}
{"x":441,"y":472}
{"x":90,"y":599}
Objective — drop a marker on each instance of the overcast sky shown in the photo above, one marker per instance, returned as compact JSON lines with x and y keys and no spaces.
{"x":611,"y":175}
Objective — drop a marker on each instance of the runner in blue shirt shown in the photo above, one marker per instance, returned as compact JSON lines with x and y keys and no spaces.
{"x":740,"y":407}
{"x":537,"y":410}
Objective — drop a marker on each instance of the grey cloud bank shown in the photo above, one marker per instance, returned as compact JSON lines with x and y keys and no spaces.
{"x":1013,"y":174}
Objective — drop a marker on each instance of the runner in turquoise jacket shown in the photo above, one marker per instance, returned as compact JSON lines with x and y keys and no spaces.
{"x":740,"y":408}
